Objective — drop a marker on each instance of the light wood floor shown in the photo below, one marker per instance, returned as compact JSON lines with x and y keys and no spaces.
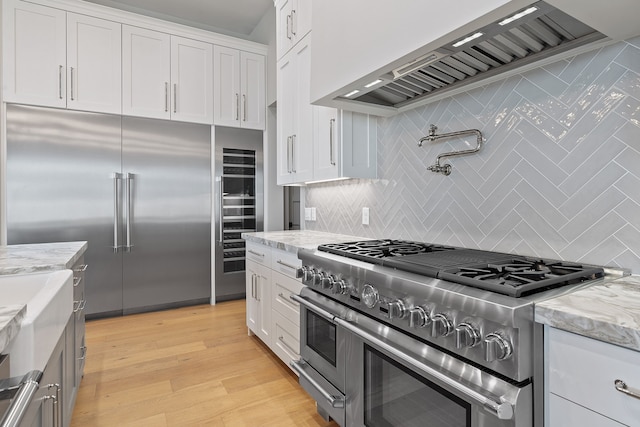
{"x":189,"y":366}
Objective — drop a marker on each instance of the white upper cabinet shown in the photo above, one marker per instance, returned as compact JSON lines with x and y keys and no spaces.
{"x":146,"y":73}
{"x":239,"y":88}
{"x":191,"y":80}
{"x":293,"y":22}
{"x":57,"y":59}
{"x":35,"y":56}
{"x":166,"y":77}
{"x":295,"y":116}
{"x":344,"y":145}
{"x":94,"y":64}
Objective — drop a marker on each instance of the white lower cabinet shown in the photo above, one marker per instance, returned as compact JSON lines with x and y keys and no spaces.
{"x":581,"y":386}
{"x":276,"y":321}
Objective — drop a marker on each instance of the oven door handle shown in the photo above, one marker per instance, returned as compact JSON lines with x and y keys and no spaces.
{"x":299,"y":367}
{"x":313,"y":307}
{"x":25,"y":394}
{"x":502,"y":410}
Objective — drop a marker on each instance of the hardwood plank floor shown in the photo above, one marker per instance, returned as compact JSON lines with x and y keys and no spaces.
{"x":188,"y":366}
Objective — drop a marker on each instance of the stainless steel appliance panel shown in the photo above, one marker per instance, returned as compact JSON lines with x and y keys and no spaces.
{"x":60,"y":187}
{"x":239,"y":204}
{"x":166,"y":213}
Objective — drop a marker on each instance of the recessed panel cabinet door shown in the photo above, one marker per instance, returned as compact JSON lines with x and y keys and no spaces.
{"x":252,"y":78}
{"x":94,"y":58}
{"x":146,"y":73}
{"x":226,"y":86}
{"x":191,"y":81}
{"x":34,"y":54}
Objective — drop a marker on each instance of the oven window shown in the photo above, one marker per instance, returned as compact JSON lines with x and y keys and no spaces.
{"x":396,"y":396}
{"x":321,"y":336}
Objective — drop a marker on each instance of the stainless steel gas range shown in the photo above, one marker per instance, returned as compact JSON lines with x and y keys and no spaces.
{"x":400,"y":333}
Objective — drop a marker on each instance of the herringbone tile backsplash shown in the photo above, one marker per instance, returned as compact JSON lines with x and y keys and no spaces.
{"x":558,"y":176}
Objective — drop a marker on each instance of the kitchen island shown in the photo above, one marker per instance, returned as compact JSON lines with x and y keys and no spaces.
{"x":32,"y":258}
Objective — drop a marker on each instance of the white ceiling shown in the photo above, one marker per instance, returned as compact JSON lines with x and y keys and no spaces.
{"x":232,"y":17}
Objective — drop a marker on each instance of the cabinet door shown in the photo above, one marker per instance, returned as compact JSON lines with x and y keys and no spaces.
{"x":146,"y":73}
{"x":302,"y":144}
{"x":326,"y":146}
{"x":191,"y":81}
{"x":252,"y":302}
{"x":94,"y":61}
{"x":284,"y":36}
{"x":34,"y":59}
{"x":286,"y":104}
{"x":263,"y":295}
{"x":300,"y":19}
{"x":253,"y":85}
{"x":226,"y":86}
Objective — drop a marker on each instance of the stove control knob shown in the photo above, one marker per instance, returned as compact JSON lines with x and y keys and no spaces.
{"x":305,"y":273}
{"x":441,"y":326}
{"x":496,"y":347}
{"x":317,"y":277}
{"x":467,"y":335}
{"x":327,"y":281}
{"x":418,"y":317}
{"x":370,"y":296}
{"x":397,"y":310}
{"x":339,"y":287}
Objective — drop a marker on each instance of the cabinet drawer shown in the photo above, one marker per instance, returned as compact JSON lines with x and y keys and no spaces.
{"x":583,"y":370}
{"x":563,"y":413}
{"x":285,"y":262}
{"x":283,"y":288}
{"x":258,"y":253}
{"x":286,"y":338}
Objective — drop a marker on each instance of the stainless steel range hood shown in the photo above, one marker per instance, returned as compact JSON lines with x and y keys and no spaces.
{"x":527,"y":37}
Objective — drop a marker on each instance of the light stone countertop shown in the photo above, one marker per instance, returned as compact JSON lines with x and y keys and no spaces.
{"x":32,"y":258}
{"x":608,"y":312}
{"x":292,"y":240}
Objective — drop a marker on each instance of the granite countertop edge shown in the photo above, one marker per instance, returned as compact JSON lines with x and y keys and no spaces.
{"x":293,"y":240}
{"x":608,"y":312}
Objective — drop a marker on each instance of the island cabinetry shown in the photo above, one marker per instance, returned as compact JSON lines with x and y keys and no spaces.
{"x":258,"y":289}
{"x":591,"y":381}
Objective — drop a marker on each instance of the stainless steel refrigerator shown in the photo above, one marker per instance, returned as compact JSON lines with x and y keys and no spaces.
{"x":239,"y":204}
{"x":138,"y":190}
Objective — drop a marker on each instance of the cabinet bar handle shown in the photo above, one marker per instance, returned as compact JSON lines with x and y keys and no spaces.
{"x":284,"y":343}
{"x":60,"y":81}
{"x":251,"y":251}
{"x":81,"y":268}
{"x":289,"y":154}
{"x":332,"y":124}
{"x":622,"y":387}
{"x":244,"y":108}
{"x":175,"y":97}
{"x":288,"y":300}
{"x":257,"y":288}
{"x":287,"y":265}
{"x":288,"y":27}
{"x":253,"y":286}
{"x":76,"y":281}
{"x":166,"y":97}
{"x":84,"y":353}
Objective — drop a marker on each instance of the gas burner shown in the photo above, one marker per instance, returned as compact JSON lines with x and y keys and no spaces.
{"x":522,"y":276}
{"x":375,"y":250}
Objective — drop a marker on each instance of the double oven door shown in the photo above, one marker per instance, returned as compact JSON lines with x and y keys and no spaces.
{"x":387,"y":378}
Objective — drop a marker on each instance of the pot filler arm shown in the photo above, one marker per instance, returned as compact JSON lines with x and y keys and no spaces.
{"x":446,"y":168}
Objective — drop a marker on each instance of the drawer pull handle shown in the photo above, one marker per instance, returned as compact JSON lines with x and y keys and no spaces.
{"x":256,"y":253}
{"x":622,"y":387}
{"x":287,"y":300}
{"x":284,"y":343}
{"x":81,"y":268}
{"x":76,"y":281}
{"x":287,"y":265}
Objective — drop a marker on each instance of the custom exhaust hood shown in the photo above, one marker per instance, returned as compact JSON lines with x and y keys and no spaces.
{"x":470,"y":55}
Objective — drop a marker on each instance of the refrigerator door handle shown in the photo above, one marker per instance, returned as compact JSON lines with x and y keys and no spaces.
{"x":129,"y":210}
{"x":117,"y":177}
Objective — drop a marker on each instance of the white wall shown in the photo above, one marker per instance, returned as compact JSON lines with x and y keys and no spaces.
{"x":558,"y":177}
